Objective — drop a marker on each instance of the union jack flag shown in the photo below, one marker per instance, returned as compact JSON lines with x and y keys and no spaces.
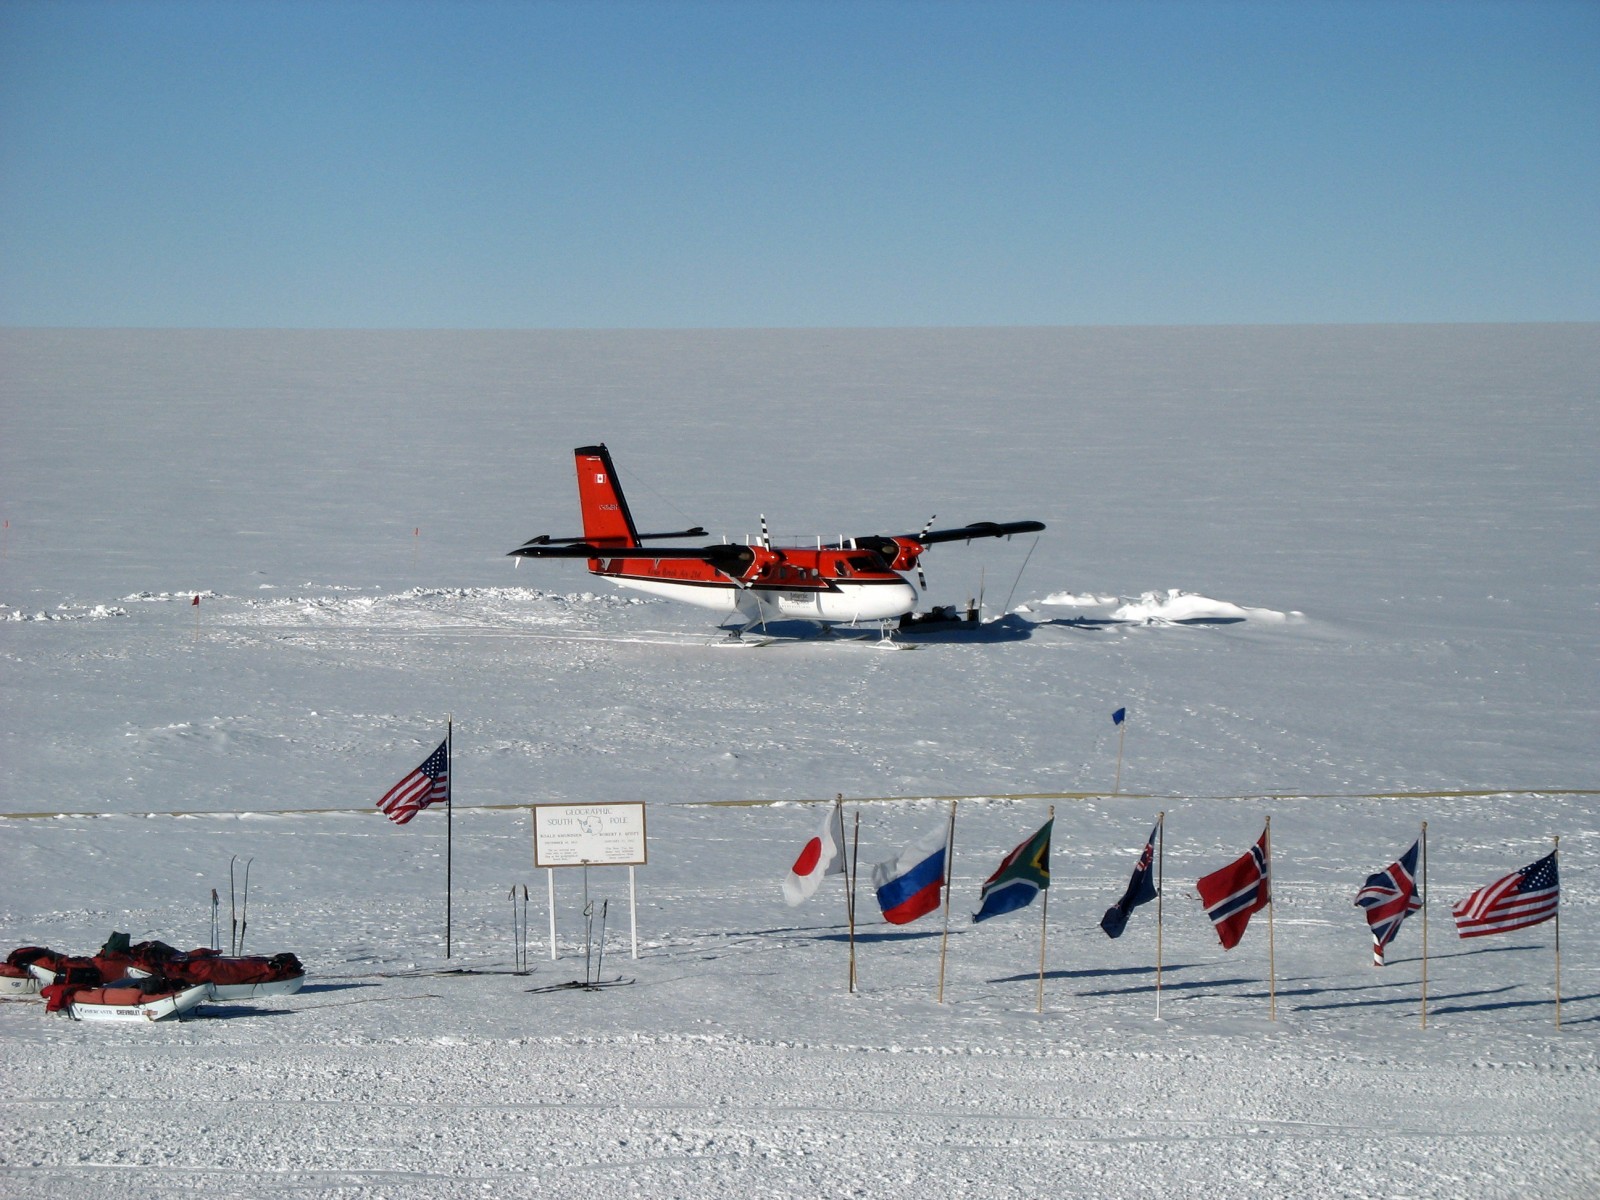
{"x":427,"y":784}
{"x":1240,"y":889}
{"x":1390,"y":897}
{"x":1522,"y":898}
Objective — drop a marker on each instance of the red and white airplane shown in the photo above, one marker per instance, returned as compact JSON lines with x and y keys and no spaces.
{"x":854,"y":581}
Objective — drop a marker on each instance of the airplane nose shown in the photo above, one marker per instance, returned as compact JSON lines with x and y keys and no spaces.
{"x":895,"y":601}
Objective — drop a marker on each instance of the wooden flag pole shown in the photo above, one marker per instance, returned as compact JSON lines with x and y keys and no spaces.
{"x":850,"y":894}
{"x":1161,"y":879}
{"x":1044,"y":928}
{"x":1272,"y":941}
{"x":1122,"y":732}
{"x":1557,"y":852}
{"x":949,"y":871}
{"x":1424,"y":925}
{"x":449,"y":823}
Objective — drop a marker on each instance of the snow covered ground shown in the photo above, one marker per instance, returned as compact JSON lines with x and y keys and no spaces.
{"x":1346,"y":577}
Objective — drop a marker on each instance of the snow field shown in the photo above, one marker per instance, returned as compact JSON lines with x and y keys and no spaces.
{"x":1344,"y":577}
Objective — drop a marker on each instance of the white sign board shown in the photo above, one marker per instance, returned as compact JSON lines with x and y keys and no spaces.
{"x":589,"y":835}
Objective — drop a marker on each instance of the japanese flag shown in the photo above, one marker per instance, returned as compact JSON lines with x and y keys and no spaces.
{"x":822,"y":855}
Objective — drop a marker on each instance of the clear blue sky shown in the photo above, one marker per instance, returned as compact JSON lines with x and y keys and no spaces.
{"x":508,"y":165}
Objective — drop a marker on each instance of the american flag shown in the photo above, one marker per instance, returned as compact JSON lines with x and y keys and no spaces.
{"x":1390,"y":897}
{"x":428,"y":783}
{"x":1241,"y":888}
{"x":1522,"y":898}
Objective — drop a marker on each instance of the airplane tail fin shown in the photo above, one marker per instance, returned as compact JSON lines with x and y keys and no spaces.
{"x":606,"y":519}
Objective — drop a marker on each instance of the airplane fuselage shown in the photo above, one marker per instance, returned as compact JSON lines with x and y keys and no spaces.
{"x":803,"y":584}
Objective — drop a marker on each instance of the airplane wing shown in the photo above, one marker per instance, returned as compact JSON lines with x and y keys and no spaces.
{"x":724,"y":557}
{"x":978,"y":529}
{"x":544,"y":539}
{"x":901,"y":551}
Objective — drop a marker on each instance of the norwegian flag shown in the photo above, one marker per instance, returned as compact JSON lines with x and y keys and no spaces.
{"x":1390,"y":897}
{"x":1241,"y":889}
{"x":1522,"y":898}
{"x":426,"y":785}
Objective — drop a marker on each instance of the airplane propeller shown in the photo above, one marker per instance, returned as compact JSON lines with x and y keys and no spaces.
{"x":922,"y":580}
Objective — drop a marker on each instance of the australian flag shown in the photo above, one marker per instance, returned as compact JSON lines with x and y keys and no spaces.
{"x":1141,"y":889}
{"x":1390,"y":897}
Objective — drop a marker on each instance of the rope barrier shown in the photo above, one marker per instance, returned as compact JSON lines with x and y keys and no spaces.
{"x":368,"y":810}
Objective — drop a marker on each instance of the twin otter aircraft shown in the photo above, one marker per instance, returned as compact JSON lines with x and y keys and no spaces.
{"x":858,"y":580}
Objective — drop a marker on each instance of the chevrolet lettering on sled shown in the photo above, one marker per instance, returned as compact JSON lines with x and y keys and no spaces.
{"x":853,"y":581}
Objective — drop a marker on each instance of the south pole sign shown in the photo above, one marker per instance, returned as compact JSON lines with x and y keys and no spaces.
{"x":590,"y":835}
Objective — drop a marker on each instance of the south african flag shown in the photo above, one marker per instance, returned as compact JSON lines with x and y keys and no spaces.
{"x":1019,"y":878}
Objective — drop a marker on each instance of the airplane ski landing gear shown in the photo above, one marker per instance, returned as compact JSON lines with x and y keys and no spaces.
{"x":737,"y":633}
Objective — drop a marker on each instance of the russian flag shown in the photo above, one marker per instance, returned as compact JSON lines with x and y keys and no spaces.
{"x":909,"y":885}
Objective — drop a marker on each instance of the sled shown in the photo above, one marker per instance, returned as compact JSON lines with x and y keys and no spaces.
{"x":16,"y":982}
{"x":287,"y":986}
{"x":131,"y":1003}
{"x":230,"y":977}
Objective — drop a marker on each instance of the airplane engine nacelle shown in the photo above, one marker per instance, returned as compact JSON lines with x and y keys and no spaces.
{"x":759,"y":561}
{"x":899,"y":554}
{"x":736,"y":561}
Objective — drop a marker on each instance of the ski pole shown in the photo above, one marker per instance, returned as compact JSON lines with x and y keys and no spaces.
{"x":588,"y":938}
{"x":244,"y":911}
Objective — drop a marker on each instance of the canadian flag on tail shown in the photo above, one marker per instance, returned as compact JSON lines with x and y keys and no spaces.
{"x":822,"y":855}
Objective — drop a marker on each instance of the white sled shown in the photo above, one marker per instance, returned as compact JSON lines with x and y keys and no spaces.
{"x":243,"y":991}
{"x":12,"y":986}
{"x":117,"y":1004}
{"x":252,"y":991}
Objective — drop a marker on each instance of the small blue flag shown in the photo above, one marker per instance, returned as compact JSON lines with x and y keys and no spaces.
{"x":1119,"y":716}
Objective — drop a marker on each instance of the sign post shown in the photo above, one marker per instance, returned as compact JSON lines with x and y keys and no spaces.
{"x":590,"y":835}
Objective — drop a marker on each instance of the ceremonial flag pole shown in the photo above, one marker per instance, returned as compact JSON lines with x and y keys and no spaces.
{"x":1161,"y":879}
{"x":1424,"y":925}
{"x":949,"y":870}
{"x":419,"y":789}
{"x":1555,"y":852}
{"x":1044,"y":911}
{"x":1272,"y":944}
{"x":1526,"y":897}
{"x":449,"y":827}
{"x":850,"y":892}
